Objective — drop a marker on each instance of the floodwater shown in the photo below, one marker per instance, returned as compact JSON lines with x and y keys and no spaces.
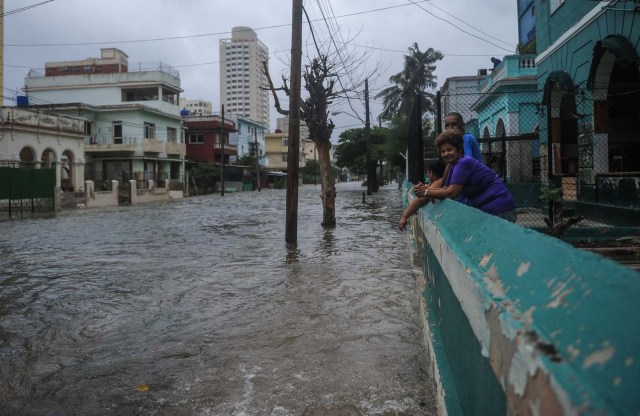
{"x":198,"y":307}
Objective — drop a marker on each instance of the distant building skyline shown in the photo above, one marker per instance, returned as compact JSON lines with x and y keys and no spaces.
{"x":197,"y":107}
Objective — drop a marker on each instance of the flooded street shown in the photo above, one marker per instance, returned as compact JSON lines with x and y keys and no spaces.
{"x":197,"y":307}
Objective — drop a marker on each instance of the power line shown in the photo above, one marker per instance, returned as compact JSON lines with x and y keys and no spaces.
{"x":199,"y":35}
{"x":25,"y":8}
{"x":457,"y":27}
{"x":331,"y":37}
{"x":468,"y":24}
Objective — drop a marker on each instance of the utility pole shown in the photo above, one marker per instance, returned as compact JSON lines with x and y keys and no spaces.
{"x":255,"y":141}
{"x":367,"y":136}
{"x":222,"y":152}
{"x":2,"y":48}
{"x":293,"y":154}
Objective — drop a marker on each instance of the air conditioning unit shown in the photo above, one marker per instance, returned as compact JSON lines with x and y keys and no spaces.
{"x":482,"y":72}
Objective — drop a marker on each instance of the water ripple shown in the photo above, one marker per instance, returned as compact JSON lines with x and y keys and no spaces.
{"x":203,"y":302}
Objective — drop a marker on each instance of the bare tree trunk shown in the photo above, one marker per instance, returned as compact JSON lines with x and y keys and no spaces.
{"x":328,"y":192}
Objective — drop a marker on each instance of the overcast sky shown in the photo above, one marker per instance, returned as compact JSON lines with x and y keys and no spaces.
{"x":191,"y":29}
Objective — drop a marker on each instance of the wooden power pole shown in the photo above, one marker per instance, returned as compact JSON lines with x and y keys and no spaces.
{"x":222,"y":151}
{"x":293,"y":153}
{"x":2,"y":49}
{"x":367,"y":137}
{"x":255,"y":142}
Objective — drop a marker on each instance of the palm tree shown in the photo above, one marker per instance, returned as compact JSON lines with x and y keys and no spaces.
{"x":416,"y":78}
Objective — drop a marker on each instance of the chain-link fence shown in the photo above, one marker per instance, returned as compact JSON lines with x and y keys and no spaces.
{"x":563,"y":150}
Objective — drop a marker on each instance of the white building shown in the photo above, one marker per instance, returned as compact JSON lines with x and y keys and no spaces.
{"x":131,"y":120}
{"x":197,"y":107}
{"x":241,"y":77}
{"x":38,"y":140}
{"x":458,"y":94}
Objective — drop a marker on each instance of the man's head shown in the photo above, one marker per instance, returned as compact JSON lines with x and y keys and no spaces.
{"x":435,"y":169}
{"x":454,"y":121}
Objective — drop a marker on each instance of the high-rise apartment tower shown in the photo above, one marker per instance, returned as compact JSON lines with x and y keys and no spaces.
{"x":242,"y":81}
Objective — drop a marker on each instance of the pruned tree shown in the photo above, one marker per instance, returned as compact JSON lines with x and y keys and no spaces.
{"x":322,"y":86}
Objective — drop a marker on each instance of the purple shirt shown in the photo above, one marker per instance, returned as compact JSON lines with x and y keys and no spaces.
{"x":484,"y":189}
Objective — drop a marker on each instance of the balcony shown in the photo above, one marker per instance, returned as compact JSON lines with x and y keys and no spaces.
{"x":512,"y":68}
{"x":172,"y":148}
{"x":133,"y":144}
{"x":110,"y":144}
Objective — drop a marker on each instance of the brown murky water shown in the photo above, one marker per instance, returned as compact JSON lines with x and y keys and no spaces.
{"x":197,"y":307}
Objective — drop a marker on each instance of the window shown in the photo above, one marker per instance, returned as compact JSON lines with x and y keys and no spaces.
{"x":140,"y":94}
{"x":116,"y":128}
{"x":87,"y":128}
{"x":554,"y":4}
{"x":285,"y":157}
{"x":196,"y":138}
{"x":149,"y":131}
{"x":172,"y":134}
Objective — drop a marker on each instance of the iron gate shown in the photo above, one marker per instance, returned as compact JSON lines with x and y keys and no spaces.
{"x":26,"y":192}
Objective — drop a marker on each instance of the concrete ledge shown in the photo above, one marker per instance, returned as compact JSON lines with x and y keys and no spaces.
{"x":555,"y":325}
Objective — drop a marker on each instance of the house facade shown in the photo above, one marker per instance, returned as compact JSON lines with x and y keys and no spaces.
{"x":38,"y":140}
{"x":132,"y":121}
{"x":277,"y":151}
{"x":205,"y":142}
{"x":507,"y":119}
{"x":588,"y":72}
{"x":248,"y":137}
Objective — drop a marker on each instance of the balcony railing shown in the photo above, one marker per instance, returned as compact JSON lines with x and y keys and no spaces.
{"x":106,"y":140}
{"x":513,"y":66}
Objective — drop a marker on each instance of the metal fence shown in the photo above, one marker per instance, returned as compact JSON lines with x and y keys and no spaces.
{"x":26,"y":192}
{"x":588,"y":150}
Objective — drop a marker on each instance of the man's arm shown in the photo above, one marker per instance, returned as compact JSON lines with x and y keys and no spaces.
{"x":475,"y":149}
{"x":412,"y":208}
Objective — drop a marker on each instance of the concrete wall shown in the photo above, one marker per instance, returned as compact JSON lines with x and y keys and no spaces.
{"x":101,"y":198}
{"x":522,"y":323}
{"x":152,"y":194}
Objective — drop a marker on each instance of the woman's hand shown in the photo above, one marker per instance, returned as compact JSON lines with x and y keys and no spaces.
{"x":418,"y":190}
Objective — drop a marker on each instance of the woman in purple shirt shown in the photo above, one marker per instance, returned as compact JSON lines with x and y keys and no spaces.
{"x":472,"y":179}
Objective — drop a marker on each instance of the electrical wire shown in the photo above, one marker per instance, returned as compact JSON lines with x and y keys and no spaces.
{"x":197,"y":35}
{"x":25,"y":8}
{"x":458,"y":27}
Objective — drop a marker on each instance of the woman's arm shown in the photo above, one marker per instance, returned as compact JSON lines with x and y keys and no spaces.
{"x":450,"y":191}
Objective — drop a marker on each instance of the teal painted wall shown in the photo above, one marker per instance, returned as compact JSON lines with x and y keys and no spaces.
{"x":471,"y":385}
{"x":554,"y":328}
{"x":574,"y":56}
{"x":550,"y":27}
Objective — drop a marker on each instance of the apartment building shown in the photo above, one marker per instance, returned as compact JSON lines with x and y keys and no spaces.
{"x":241,"y":77}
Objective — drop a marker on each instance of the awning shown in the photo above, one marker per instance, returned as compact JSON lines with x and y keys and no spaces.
{"x":620,"y":47}
{"x":276,"y":173}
